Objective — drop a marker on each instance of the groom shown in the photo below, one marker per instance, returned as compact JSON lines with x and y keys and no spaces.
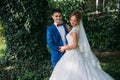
{"x":56,"y":36}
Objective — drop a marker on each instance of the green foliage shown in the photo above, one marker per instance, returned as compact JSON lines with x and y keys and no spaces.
{"x":2,"y":41}
{"x":1,"y":29}
{"x":102,"y":31}
{"x":25,"y":24}
{"x":2,"y":49}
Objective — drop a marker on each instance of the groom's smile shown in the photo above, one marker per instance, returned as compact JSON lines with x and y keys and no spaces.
{"x":57,"y":17}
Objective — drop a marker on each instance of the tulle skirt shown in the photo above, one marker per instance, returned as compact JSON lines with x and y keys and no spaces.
{"x":74,"y":66}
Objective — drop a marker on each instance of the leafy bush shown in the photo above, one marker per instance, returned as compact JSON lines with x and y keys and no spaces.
{"x":25,"y":32}
{"x":102,"y":31}
{"x":25,"y":24}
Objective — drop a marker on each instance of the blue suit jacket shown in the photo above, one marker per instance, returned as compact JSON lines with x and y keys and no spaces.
{"x":54,"y":41}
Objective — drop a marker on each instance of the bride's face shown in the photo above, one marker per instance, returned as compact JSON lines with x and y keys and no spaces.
{"x":73,"y":21}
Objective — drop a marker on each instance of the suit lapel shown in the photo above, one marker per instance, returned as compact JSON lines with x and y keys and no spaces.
{"x":65,"y":29}
{"x":56,"y":30}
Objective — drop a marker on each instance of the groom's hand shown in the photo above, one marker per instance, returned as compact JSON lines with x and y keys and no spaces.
{"x":68,"y":28}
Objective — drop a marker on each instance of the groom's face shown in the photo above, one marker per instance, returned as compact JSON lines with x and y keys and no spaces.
{"x":57,"y":17}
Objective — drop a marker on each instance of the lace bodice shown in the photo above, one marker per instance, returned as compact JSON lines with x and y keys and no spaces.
{"x":69,"y":37}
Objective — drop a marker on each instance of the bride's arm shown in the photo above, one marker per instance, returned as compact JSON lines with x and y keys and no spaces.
{"x":73,"y":46}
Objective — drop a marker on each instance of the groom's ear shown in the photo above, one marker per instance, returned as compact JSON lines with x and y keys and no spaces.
{"x":52,"y":17}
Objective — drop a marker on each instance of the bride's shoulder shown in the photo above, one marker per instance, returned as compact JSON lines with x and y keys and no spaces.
{"x":75,"y":29}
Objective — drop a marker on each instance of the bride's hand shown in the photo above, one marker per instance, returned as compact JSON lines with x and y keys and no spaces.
{"x":62,"y":49}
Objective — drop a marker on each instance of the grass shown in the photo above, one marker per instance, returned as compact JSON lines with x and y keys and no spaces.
{"x":110,"y":63}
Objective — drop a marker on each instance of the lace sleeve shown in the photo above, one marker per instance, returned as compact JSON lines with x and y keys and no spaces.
{"x":76,"y":30}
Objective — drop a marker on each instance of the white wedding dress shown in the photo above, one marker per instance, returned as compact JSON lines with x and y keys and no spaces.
{"x":74,"y":65}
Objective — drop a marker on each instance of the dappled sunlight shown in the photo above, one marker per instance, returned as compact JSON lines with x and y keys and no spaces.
{"x":2,"y":41}
{"x":2,"y":53}
{"x":2,"y":46}
{"x":9,"y":67}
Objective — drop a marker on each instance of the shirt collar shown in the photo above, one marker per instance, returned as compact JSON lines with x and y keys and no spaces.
{"x":55,"y":23}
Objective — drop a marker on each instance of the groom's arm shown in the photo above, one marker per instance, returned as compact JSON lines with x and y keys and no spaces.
{"x":50,"y":41}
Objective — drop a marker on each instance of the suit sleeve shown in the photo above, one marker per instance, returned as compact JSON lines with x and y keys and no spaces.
{"x":50,"y":41}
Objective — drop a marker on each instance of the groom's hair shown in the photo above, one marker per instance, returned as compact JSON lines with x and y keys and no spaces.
{"x":56,"y":10}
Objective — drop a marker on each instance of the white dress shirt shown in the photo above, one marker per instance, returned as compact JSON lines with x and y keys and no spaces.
{"x":62,"y":33}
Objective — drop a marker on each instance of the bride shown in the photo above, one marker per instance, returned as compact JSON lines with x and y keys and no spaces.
{"x":79,"y":62}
